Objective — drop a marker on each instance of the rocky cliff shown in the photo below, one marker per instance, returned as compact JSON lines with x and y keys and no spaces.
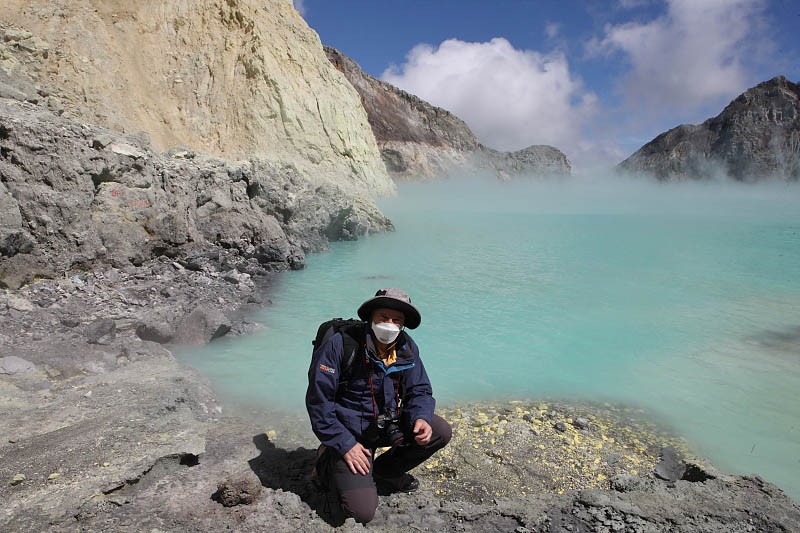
{"x":756,"y":136}
{"x":233,"y":78}
{"x":419,"y":141}
{"x":76,"y":196}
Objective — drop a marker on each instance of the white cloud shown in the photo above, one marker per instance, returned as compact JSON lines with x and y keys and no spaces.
{"x":696,"y":54}
{"x":300,"y":6}
{"x":551,"y":29}
{"x":630,"y":4}
{"x":510,"y":98}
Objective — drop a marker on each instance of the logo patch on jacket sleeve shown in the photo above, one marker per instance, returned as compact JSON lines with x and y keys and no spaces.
{"x":327,"y":369}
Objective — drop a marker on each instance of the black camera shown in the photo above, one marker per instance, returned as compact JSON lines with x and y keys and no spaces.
{"x":386,"y":429}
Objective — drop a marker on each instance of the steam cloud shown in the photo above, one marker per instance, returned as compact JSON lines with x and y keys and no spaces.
{"x":694,"y":55}
{"x":510,"y":98}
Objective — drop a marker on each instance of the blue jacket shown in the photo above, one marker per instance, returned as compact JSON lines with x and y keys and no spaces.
{"x":340,"y":412}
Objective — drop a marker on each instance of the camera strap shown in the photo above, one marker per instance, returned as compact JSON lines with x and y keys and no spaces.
{"x":396,"y":381}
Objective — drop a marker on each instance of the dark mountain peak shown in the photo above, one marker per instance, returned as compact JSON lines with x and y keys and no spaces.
{"x":756,"y":136}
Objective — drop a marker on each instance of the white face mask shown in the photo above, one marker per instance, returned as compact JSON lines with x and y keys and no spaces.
{"x":386,"y":332}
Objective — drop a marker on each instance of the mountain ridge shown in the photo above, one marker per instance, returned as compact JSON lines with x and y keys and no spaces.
{"x":756,"y":136}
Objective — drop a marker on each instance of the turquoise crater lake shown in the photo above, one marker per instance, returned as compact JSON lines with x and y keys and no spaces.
{"x":682,"y":299}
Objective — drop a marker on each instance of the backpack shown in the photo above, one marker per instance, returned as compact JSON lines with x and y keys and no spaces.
{"x":351,"y":330}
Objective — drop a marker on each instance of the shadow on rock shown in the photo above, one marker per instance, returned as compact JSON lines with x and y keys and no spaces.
{"x":290,"y":471}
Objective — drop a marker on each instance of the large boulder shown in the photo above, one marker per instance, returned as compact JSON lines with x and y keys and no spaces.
{"x":201,"y":326}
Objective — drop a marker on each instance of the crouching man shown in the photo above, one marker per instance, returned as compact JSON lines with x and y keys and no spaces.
{"x":367,"y":388}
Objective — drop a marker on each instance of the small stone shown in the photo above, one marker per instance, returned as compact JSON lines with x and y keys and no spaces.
{"x":234,"y":276}
{"x":54,"y":475}
{"x":536,"y":431}
{"x":169,"y":292}
{"x":671,"y":467}
{"x":101,"y":141}
{"x":581,"y":423}
{"x":17,"y":35}
{"x":17,"y":479}
{"x":101,"y":331}
{"x":126,"y":150}
{"x":238,"y":490}
{"x":20,"y":304}
{"x":527,"y":418}
{"x":88,"y":394}
{"x":560,"y":426}
{"x":66,"y":286}
{"x":12,"y":364}
{"x":70,"y":321}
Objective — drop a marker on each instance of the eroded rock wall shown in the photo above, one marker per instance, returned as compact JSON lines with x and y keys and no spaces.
{"x":421,"y":141}
{"x":75,"y":196}
{"x":756,"y":136}
{"x":233,"y":78}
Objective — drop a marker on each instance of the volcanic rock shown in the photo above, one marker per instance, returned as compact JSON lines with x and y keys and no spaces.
{"x":756,"y":136}
{"x":15,"y":365}
{"x":89,"y":206}
{"x":155,"y":329}
{"x":201,"y":326}
{"x":238,"y":490}
{"x":254,"y":82}
{"x":101,"y":331}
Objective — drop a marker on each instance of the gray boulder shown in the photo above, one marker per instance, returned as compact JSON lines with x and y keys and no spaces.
{"x":155,"y":329}
{"x":671,"y":467}
{"x":101,"y":331}
{"x":201,"y":326}
{"x":15,"y":365}
{"x":19,"y":304}
{"x":22,"y":269}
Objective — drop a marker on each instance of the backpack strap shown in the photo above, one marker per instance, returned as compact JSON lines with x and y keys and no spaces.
{"x":351,"y":341}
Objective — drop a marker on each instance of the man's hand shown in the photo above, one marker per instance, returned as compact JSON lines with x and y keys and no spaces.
{"x":422,"y":431}
{"x":358,"y":459}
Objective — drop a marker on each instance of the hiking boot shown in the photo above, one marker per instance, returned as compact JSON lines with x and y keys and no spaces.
{"x":404,"y":483}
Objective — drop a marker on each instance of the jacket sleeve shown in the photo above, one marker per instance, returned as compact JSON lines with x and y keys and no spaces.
{"x":323,"y":380}
{"x":418,"y":397}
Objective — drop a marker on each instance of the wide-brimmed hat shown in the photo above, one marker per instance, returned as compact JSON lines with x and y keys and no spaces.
{"x":391,"y":298}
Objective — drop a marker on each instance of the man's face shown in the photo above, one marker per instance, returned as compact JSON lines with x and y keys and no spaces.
{"x":398,"y":318}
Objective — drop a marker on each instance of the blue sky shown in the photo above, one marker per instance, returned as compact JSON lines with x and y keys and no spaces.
{"x":595,"y":79}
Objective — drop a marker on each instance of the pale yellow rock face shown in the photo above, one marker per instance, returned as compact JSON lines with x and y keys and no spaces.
{"x":234,"y":78}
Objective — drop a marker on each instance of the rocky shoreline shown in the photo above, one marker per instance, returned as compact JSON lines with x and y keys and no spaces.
{"x":104,"y":430}
{"x":116,"y":245}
